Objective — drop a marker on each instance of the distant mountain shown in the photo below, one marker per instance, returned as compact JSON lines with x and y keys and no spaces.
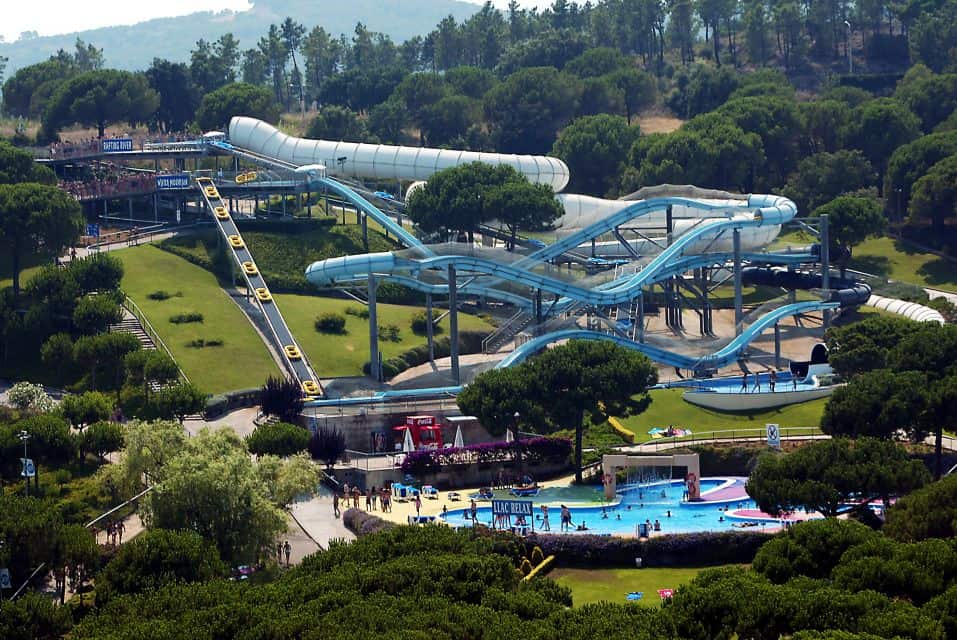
{"x":134,"y":47}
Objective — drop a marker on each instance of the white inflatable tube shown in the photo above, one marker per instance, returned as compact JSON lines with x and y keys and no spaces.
{"x":380,"y":161}
{"x":910,"y":310}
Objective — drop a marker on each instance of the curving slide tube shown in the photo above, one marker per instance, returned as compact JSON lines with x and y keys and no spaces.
{"x":381,"y":161}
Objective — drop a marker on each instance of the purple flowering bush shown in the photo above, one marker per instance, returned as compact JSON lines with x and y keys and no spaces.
{"x":361,"y":523}
{"x":533,"y":450}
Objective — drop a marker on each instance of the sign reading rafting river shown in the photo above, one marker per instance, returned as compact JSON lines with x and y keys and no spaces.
{"x":512,"y":508}
{"x":117,"y":145}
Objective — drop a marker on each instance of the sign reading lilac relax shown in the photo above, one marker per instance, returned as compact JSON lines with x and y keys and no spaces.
{"x":512,"y":507}
{"x":175,"y":181}
{"x":117,"y":145}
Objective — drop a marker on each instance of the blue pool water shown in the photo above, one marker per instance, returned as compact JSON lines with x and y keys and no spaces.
{"x":785,"y":382}
{"x":636,"y":505}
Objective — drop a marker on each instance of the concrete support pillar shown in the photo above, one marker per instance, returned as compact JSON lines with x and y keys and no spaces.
{"x":454,"y":325}
{"x":777,"y":346}
{"x":374,"y":369}
{"x":429,"y":328}
{"x":365,"y":231}
{"x":641,"y":316}
{"x":738,"y":314}
{"x":826,"y":264}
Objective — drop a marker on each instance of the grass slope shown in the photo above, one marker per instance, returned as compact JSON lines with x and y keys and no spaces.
{"x":898,"y":260}
{"x":612,"y":585}
{"x":667,"y":407}
{"x":344,"y":355}
{"x":241,"y":362}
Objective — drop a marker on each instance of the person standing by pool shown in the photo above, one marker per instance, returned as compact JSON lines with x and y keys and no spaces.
{"x":545,"y":525}
{"x":473,"y":509}
{"x":774,"y":379}
{"x":418,"y":504}
{"x":566,"y":518}
{"x":335,"y":504}
{"x":744,"y":382}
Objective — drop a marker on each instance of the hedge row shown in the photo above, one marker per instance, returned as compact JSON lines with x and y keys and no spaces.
{"x":284,"y":225}
{"x":534,"y":451}
{"x":361,"y":523}
{"x":677,"y":550}
{"x":219,"y":404}
{"x":469,"y":342}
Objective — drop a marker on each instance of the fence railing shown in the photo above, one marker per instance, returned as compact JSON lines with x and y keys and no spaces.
{"x":133,"y":308}
{"x":730,"y":436}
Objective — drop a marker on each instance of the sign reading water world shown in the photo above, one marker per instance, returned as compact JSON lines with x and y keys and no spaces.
{"x":175,"y":181}
{"x":512,"y":508}
{"x":117,"y":145}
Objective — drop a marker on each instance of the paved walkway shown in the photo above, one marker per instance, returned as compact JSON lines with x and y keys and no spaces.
{"x":316,"y":518}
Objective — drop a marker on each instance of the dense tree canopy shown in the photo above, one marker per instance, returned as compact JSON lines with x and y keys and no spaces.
{"x":559,"y":387}
{"x":100,"y":98}
{"x":821,"y":177}
{"x":217,"y":107}
{"x":829,"y":475}
{"x":34,"y":217}
{"x":851,"y":220}
{"x":594,"y":147}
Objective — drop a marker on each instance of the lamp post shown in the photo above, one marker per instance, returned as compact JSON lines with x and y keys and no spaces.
{"x":850,"y":58}
{"x":24,"y":437}
{"x":517,"y":443}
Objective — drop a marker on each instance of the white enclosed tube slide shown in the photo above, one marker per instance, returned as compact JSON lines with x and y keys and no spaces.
{"x":380,"y":161}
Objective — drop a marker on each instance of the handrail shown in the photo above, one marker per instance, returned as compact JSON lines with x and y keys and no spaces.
{"x":151,"y":332}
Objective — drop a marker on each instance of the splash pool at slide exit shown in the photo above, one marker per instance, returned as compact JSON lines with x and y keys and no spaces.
{"x":638,"y":504}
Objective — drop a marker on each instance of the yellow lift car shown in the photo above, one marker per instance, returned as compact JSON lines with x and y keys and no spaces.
{"x":236,"y":241}
{"x":263,"y":294}
{"x":292,"y":352}
{"x":310,"y":387}
{"x":250,"y":269}
{"x":221,"y":213}
{"x":212,"y":192}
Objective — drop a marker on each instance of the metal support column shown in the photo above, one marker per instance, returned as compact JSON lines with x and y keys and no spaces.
{"x":825,"y":264}
{"x":155,"y":209}
{"x":365,"y":231}
{"x":641,"y":316}
{"x":738,"y":314}
{"x":777,"y":346}
{"x":374,"y":369}
{"x":454,"y":325}
{"x":538,"y":306}
{"x":429,"y":327}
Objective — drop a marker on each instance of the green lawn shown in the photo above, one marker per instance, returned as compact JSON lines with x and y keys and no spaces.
{"x":897,"y":260}
{"x":241,"y":362}
{"x":612,"y":585}
{"x":668,"y":408}
{"x":344,"y":355}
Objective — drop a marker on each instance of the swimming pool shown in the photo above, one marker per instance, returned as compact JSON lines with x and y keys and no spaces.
{"x":645,"y":503}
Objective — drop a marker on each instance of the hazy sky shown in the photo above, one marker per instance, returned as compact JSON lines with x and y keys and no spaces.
{"x":52,"y":17}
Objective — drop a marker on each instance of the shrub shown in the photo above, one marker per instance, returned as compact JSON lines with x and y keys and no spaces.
{"x":181,"y":318}
{"x":678,"y":550}
{"x":420,"y":323}
{"x":327,"y":444}
{"x":361,"y":523}
{"x":469,"y":342}
{"x":389,"y":333}
{"x":200,"y":343}
{"x":278,"y":439}
{"x":359,"y":312}
{"x":27,"y":396}
{"x":156,"y":558}
{"x":161,"y":295}
{"x":102,"y":438}
{"x":330,"y":322}
{"x":534,"y":450}
{"x":281,"y":398}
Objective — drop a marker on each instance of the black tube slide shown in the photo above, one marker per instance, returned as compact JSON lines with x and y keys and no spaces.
{"x":849,"y":293}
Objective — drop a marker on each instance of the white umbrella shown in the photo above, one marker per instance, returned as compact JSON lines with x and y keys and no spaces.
{"x":407,"y":445}
{"x":459,"y":440}
{"x":509,"y":436}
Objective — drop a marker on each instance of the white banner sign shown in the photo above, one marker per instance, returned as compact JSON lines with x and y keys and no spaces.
{"x":774,"y":436}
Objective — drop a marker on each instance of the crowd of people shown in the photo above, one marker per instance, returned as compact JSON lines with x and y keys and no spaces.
{"x":375,"y":498}
{"x":94,"y":146}
{"x":117,"y":185}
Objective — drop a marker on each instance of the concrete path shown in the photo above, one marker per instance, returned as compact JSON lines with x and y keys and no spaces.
{"x":316,"y":518}
{"x":240,"y":421}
